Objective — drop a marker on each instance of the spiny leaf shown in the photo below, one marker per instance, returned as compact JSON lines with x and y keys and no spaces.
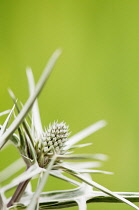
{"x":66,"y":198}
{"x":60,"y":195}
{"x":103,"y":189}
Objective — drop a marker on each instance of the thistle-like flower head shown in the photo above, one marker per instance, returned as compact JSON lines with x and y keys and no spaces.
{"x":52,"y":141}
{"x":55,"y":137}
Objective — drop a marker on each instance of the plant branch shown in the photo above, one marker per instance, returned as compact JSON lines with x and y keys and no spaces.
{"x":18,"y":193}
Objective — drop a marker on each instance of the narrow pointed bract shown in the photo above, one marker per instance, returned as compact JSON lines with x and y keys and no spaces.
{"x":84,"y":133}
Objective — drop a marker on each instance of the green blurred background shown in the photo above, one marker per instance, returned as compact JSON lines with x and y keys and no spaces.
{"x":97,"y":76}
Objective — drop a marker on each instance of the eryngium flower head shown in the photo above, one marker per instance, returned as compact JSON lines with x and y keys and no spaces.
{"x":53,"y":141}
{"x":55,"y":137}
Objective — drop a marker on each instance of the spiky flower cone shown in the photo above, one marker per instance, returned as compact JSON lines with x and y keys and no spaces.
{"x":53,"y":141}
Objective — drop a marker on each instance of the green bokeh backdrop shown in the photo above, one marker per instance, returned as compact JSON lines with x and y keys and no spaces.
{"x":97,"y":76}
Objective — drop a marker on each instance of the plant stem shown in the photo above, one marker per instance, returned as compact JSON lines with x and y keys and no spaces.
{"x":18,"y":193}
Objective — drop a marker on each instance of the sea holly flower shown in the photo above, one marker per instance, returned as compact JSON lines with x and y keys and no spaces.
{"x":47,"y":152}
{"x":55,"y":137}
{"x":52,"y":142}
